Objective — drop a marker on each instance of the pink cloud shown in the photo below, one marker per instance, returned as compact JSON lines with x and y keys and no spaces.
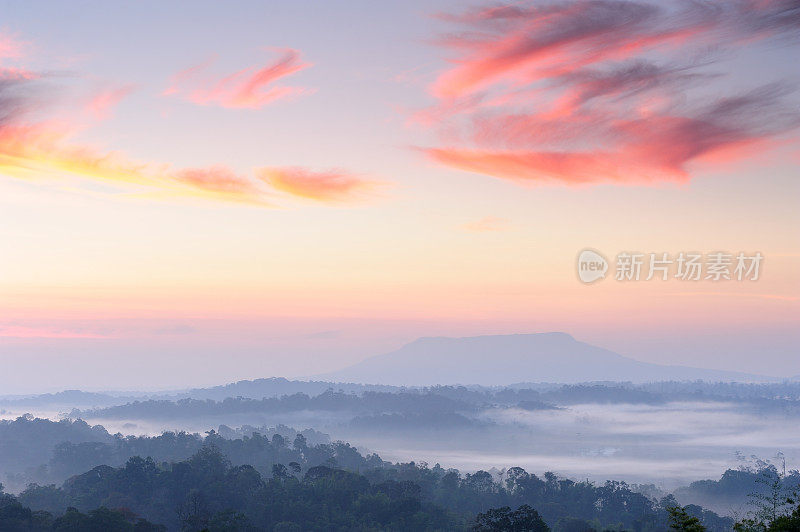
{"x":524,"y":43}
{"x":569,"y":92}
{"x":10,"y":47}
{"x":250,"y":88}
{"x":102,"y":104}
{"x":638,"y":150}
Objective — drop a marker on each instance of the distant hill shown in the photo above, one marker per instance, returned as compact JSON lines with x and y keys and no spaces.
{"x":509,"y":359}
{"x":254,"y":389}
{"x":74,"y":398}
{"x":270,"y":387}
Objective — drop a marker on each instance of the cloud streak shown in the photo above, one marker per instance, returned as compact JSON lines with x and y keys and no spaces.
{"x":21,"y":332}
{"x":249,"y":88}
{"x":602,"y":91}
{"x":331,"y":186}
{"x":12,"y":48}
{"x":33,"y":148}
{"x":42,"y":150}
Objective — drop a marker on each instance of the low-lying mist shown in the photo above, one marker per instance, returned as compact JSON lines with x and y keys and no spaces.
{"x":668,"y":435}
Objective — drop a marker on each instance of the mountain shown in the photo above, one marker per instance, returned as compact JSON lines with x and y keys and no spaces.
{"x":515,"y":358}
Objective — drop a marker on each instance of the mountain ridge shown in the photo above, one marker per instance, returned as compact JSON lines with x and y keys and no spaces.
{"x":492,"y":360}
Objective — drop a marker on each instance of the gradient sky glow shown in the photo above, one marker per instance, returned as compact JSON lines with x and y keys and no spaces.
{"x":197,"y":193}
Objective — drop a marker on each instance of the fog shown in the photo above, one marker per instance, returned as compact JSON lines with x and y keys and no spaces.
{"x":667,"y":444}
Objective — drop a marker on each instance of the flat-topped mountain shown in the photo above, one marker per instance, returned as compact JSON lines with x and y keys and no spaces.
{"x":508,"y":359}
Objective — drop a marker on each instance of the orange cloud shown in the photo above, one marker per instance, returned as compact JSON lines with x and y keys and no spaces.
{"x":36,"y":149}
{"x":568,"y":92}
{"x":331,"y":186}
{"x":42,"y":149}
{"x":32,"y":149}
{"x":250,"y":88}
{"x":221,"y":182}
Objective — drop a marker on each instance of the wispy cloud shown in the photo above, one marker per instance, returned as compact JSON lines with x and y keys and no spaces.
{"x":12,"y":48}
{"x":249,"y":88}
{"x":32,"y":147}
{"x":330,"y":186}
{"x":102,"y":103}
{"x":573,"y":92}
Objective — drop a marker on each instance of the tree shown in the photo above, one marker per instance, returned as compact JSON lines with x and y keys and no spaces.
{"x":193,"y":512}
{"x":782,"y":523}
{"x":680,"y":520}
{"x":786,"y":523}
{"x":300,"y":443}
{"x":103,"y":520}
{"x":229,"y":521}
{"x":523,"y":519}
{"x":279,"y":471}
{"x":771,"y":506}
{"x":570,"y":524}
{"x":772,"y":502}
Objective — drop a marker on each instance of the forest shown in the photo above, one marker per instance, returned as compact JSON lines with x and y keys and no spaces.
{"x":208,"y":491}
{"x":183,"y":481}
{"x":274,"y":454}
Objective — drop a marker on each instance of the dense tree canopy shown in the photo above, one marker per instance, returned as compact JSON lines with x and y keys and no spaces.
{"x":269,"y":483}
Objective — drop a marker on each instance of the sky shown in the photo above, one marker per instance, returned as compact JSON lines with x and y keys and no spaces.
{"x":192,"y":194}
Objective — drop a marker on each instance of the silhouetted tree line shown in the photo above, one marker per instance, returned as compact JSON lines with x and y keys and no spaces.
{"x":41,"y":450}
{"x":737,"y":488}
{"x":368,"y":402}
{"x":557,"y":500}
{"x":208,"y":492}
{"x":455,"y":400}
{"x":764,"y":395}
{"x":217,"y":489}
